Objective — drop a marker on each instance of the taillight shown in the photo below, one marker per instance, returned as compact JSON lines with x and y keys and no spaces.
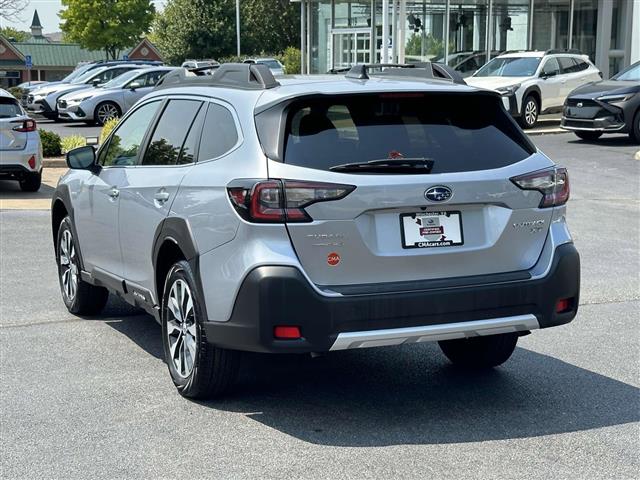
{"x":278,"y":201}
{"x":553,"y":183}
{"x":25,"y":125}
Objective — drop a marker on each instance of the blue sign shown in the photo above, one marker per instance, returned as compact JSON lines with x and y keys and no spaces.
{"x":27,"y":61}
{"x":125,"y":57}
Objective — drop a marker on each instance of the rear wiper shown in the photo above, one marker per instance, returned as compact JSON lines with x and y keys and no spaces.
{"x":414,"y":166}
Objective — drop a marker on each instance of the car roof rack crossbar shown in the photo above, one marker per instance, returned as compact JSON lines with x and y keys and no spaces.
{"x":246,"y":76}
{"x":563,"y":50}
{"x":361,"y":71}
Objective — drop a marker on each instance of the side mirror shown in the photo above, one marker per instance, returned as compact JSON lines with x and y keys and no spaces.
{"x":82,"y":158}
{"x":545,"y":75}
{"x":95,"y":82}
{"x":134,"y":85}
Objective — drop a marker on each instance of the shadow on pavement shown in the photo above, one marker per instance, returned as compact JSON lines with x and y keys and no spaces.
{"x":617,"y":140}
{"x":11,"y":189}
{"x":410,"y":395}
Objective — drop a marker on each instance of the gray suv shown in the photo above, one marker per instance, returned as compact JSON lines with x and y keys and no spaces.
{"x":314,"y":214}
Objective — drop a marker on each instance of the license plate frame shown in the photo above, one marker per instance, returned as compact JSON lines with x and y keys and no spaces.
{"x":447,"y":214}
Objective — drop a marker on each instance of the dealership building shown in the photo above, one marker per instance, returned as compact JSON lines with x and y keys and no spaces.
{"x":339,"y":33}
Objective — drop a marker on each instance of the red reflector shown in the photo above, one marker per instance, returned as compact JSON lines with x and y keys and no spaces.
{"x":563,"y":305}
{"x":286,"y":332}
{"x":32,"y":162}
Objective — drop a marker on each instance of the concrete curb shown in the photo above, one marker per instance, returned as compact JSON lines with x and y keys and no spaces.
{"x":54,"y":162}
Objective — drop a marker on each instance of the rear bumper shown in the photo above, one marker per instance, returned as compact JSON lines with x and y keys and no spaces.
{"x":280,"y":295}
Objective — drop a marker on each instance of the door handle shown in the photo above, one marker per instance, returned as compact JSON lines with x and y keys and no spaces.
{"x":161,"y":196}
{"x":114,"y":193}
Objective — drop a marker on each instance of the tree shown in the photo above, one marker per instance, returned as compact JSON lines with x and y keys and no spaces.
{"x":195,"y":29}
{"x":269,"y":25}
{"x":10,"y":9}
{"x":18,"y":35}
{"x":109,"y":25}
{"x":207,"y":28}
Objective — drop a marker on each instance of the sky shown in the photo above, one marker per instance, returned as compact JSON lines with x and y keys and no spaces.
{"x":48,"y":13}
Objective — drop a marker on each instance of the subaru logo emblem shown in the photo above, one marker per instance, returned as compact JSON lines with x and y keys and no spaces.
{"x":439,"y":193}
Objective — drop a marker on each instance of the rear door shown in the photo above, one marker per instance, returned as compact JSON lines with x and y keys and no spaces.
{"x":572,"y":79}
{"x":151,"y":186}
{"x":11,"y":117}
{"x":465,"y":218}
{"x":146,"y":82}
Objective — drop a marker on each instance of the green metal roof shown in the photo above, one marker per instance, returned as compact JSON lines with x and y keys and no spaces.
{"x":56,"y":54}
{"x":38,"y":39}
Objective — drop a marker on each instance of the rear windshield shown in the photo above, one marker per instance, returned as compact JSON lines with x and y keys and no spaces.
{"x":458,"y":132}
{"x":9,"y":108}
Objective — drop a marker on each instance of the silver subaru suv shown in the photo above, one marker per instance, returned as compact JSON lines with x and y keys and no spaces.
{"x":318,"y":213}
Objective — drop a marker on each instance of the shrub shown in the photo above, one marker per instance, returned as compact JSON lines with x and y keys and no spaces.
{"x":108,"y":127}
{"x":51,"y":145}
{"x":16,"y":92}
{"x":71,"y":142}
{"x":291,"y":59}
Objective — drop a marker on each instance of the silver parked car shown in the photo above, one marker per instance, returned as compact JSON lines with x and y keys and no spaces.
{"x":111,"y":100}
{"x":315,"y":214}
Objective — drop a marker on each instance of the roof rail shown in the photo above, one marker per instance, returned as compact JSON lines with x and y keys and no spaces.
{"x":246,"y":76}
{"x":360,"y":71}
{"x":563,"y":50}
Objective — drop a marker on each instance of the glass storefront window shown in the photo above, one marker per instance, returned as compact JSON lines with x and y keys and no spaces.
{"x":467,"y":35}
{"x":550,"y":24}
{"x":510,"y":25}
{"x":320,"y":37}
{"x":585,"y":21}
{"x":424,"y":30}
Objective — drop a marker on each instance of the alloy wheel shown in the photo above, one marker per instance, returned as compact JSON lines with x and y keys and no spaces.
{"x":181,"y":328}
{"x":106,"y":112}
{"x":530,"y":112}
{"x":68,"y":266}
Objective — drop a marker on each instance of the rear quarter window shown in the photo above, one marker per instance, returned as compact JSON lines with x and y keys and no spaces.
{"x":9,"y":107}
{"x":459,"y":132}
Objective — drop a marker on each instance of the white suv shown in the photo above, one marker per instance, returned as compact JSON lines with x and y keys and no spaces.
{"x":537,"y":82}
{"x":20,"y":147}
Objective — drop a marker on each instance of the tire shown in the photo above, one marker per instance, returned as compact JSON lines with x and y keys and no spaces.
{"x":480,"y":352}
{"x":80,"y":297}
{"x":634,"y":131}
{"x":106,"y":111}
{"x":589,"y":136}
{"x":198,"y":369}
{"x":31,"y":182}
{"x":530,"y":112}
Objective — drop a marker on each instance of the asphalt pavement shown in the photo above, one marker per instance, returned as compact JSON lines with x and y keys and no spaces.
{"x":67,"y":129}
{"x":92,"y":398}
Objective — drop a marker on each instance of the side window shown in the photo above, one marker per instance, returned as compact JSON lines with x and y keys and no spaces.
{"x":219,"y":134}
{"x":551,"y":67}
{"x":149,"y":79}
{"x":567,"y":64}
{"x":581,"y":65}
{"x":187,"y":155}
{"x":170,"y":132}
{"x":125,"y":142}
